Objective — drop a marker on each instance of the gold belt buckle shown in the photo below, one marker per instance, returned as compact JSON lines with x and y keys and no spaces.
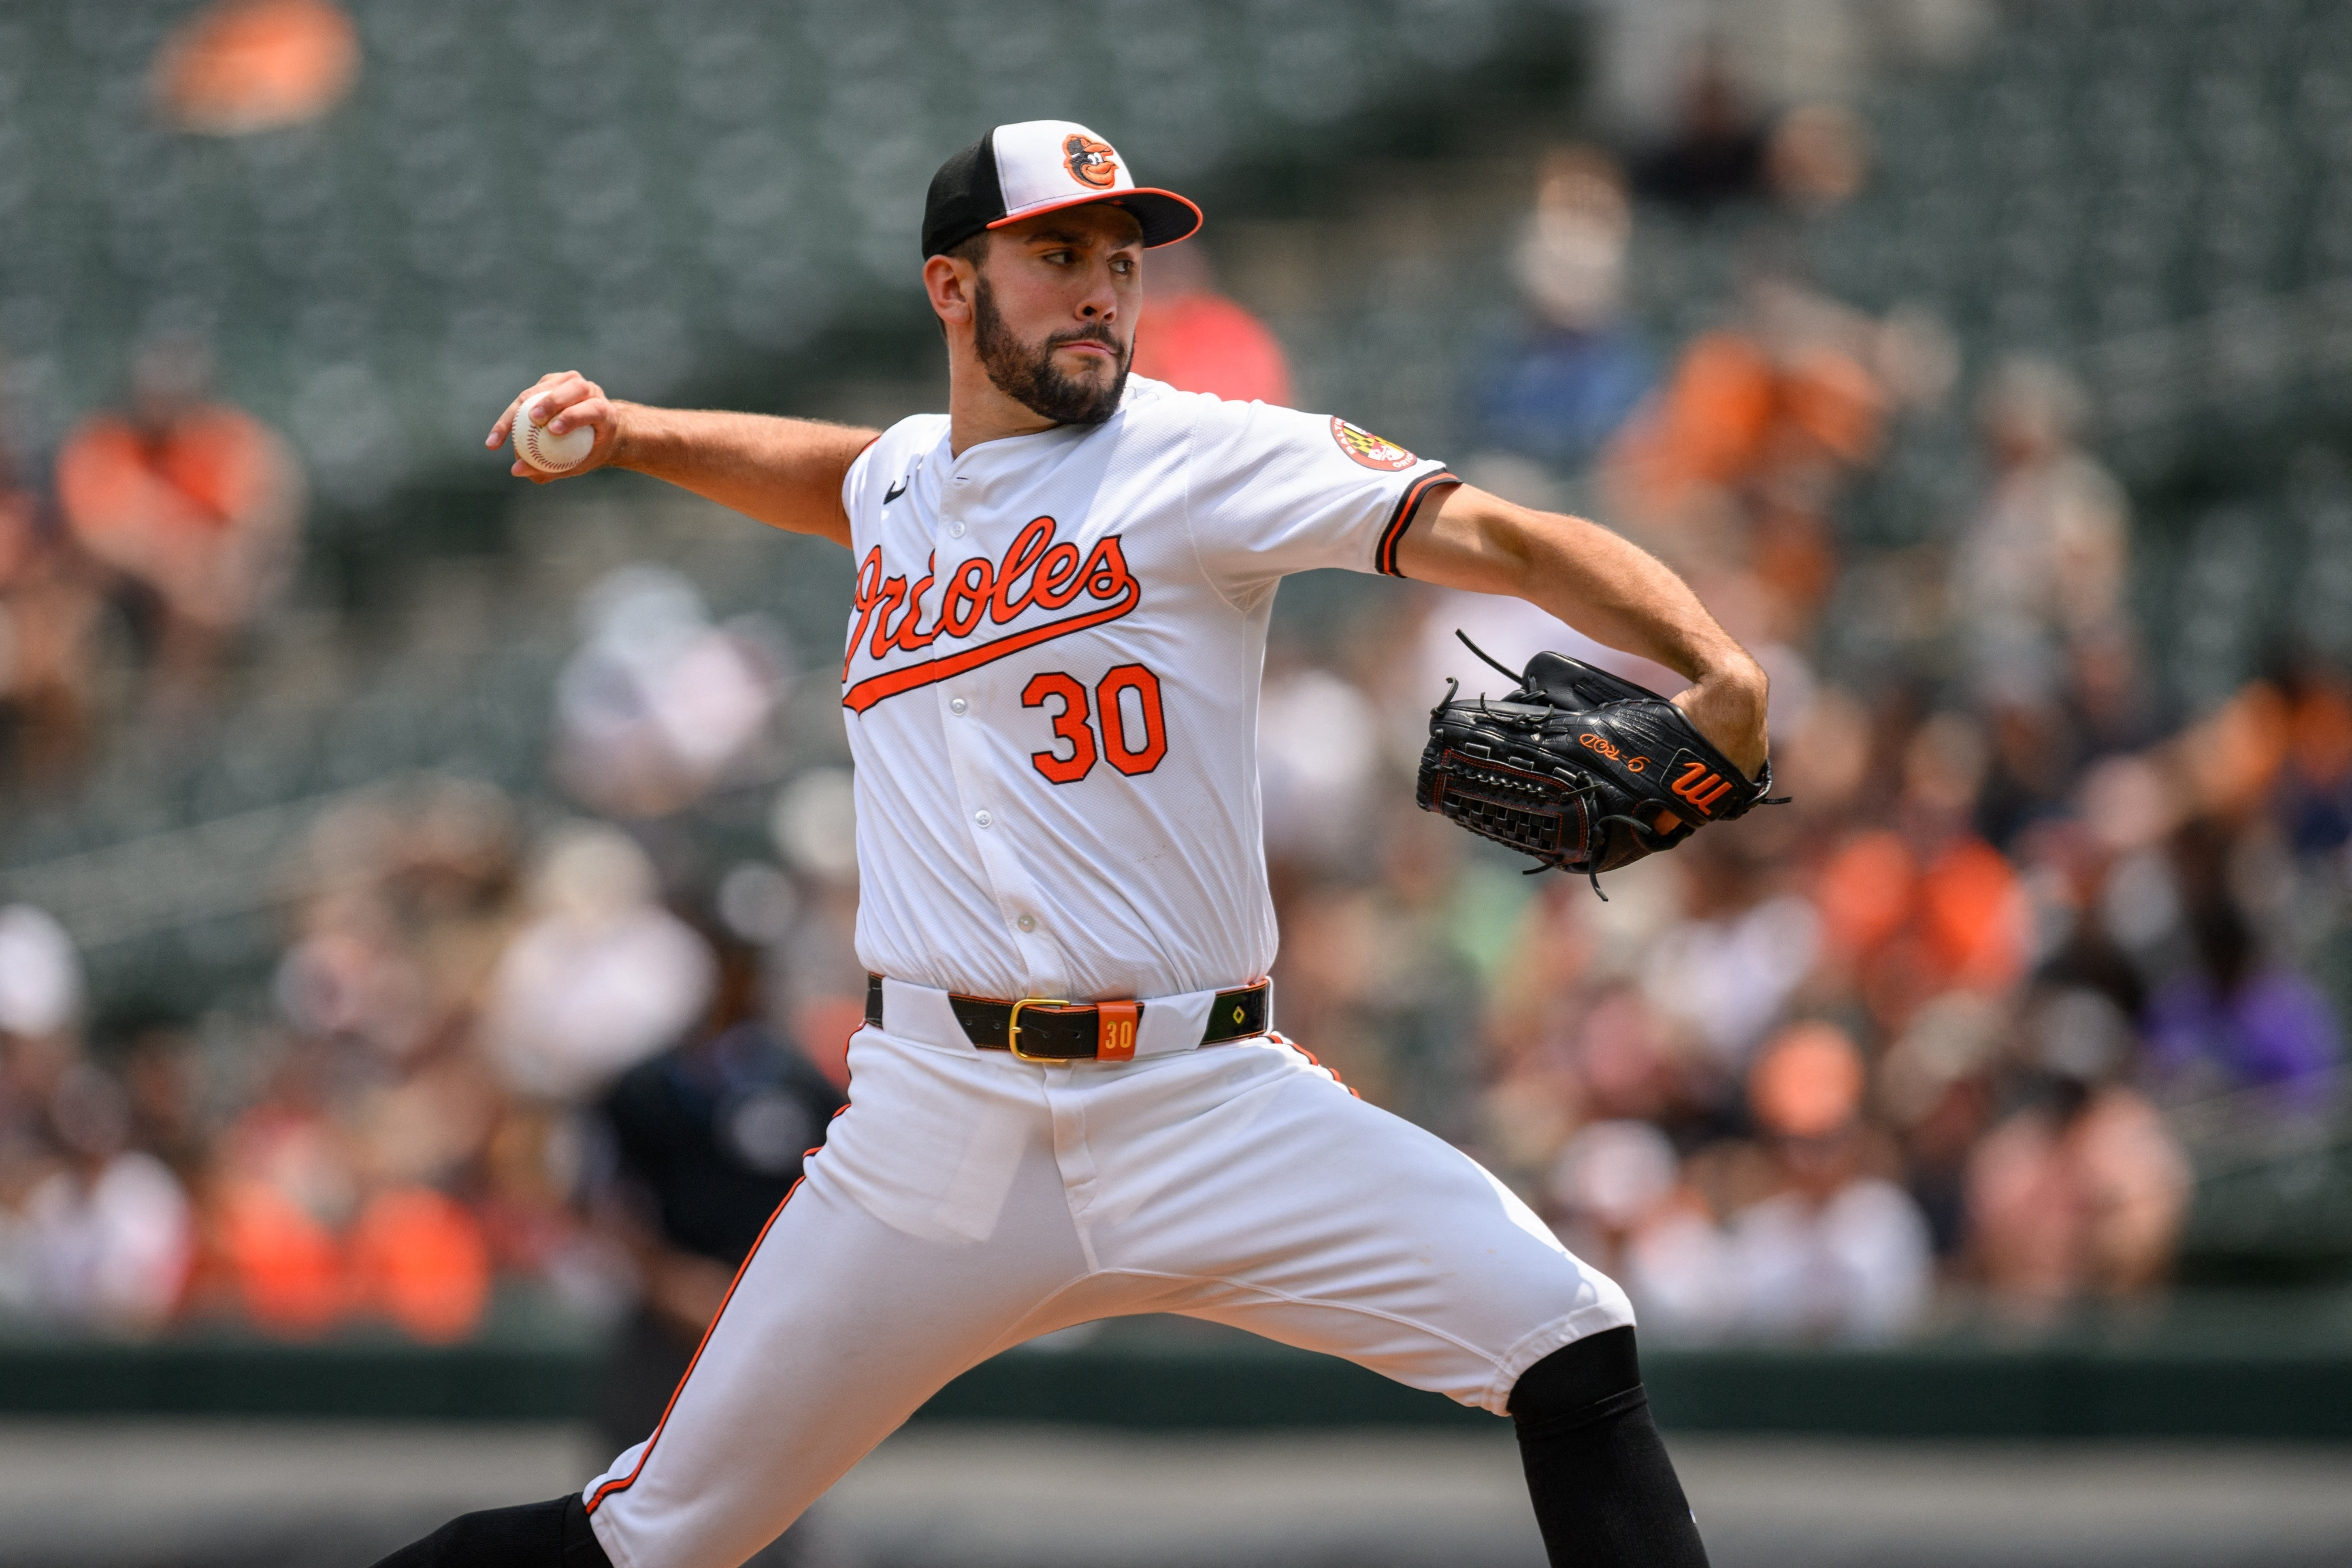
{"x":1012,"y":1028}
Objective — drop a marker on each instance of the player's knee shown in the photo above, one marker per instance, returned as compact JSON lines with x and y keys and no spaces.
{"x":536,"y":1536}
{"x":1595,"y":1377}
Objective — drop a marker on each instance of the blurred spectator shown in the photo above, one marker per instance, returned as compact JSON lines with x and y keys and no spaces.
{"x":40,"y":976}
{"x":115,"y":1232}
{"x":1729,"y":965}
{"x":163,"y":1080}
{"x":1910,"y":913}
{"x":1736,"y":461}
{"x":1629,"y":1214}
{"x":602,"y":976}
{"x":91,"y":1231}
{"x":51,"y":621}
{"x":242,"y":66}
{"x":1837,"y":1251}
{"x":1196,"y":339}
{"x":40,"y":1000}
{"x":1578,"y":368}
{"x":1936,"y":1085}
{"x":2085,"y":1189}
{"x":2234,"y":1019}
{"x":1817,"y":157}
{"x":2315,"y":787}
{"x":658,"y":706}
{"x":1717,"y":151}
{"x":285,"y":1187}
{"x":192,"y":502}
{"x":2041,"y":566}
{"x":350,"y":977}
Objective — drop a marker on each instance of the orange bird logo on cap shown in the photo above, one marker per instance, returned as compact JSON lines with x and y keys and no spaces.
{"x":1089,"y":162}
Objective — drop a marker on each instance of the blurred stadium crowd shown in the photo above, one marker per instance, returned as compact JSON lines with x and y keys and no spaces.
{"x":2047,"y":935}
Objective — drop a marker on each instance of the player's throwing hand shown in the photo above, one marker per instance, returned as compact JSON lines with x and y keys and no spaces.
{"x":548,"y":421}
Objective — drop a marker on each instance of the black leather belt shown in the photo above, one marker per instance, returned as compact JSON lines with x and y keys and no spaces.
{"x":1043,"y":1031}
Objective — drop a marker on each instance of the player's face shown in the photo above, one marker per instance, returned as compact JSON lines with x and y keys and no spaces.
{"x":1054,"y":311}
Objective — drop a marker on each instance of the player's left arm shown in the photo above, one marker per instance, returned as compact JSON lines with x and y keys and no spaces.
{"x":1604,"y":585}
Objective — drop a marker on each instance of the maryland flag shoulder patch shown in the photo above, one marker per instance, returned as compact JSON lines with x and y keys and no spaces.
{"x":1368,"y":448}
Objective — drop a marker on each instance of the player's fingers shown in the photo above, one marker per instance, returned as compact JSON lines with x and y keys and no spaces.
{"x":563,"y":390}
{"x":593,"y":411}
{"x":558,"y":400}
{"x":554,"y":385}
{"x":504,"y":423}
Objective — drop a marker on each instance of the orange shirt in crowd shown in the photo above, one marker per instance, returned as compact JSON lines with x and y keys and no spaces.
{"x":242,"y":66}
{"x":183,"y":510}
{"x":1731,"y":412}
{"x":1956,"y":918}
{"x":420,"y":1258}
{"x":415,"y":1256}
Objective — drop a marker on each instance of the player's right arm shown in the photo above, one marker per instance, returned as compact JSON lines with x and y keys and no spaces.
{"x":787,"y":473}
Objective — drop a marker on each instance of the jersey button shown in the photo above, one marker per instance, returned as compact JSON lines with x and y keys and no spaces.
{"x":1027,"y":923}
{"x":955,"y":530}
{"x":958,"y":706}
{"x":982,"y":818}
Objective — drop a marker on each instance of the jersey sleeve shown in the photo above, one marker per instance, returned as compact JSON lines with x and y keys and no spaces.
{"x":861,"y":469}
{"x":1272,"y":491}
{"x":883,"y":461}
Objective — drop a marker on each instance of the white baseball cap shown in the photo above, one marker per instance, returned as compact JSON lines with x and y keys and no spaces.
{"x":1038,"y":166}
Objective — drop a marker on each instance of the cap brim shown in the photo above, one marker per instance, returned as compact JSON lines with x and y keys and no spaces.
{"x":1166,"y":216}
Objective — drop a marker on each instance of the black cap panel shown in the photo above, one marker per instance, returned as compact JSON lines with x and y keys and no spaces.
{"x":966,"y":196}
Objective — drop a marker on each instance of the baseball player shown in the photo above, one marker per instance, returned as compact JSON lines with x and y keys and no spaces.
{"x":1068,"y":1100}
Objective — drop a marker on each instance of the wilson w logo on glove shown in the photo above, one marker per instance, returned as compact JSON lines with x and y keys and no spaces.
{"x":1698,"y":784}
{"x":1580,"y":768}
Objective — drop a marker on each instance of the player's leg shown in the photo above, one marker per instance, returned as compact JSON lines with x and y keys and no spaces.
{"x":927,"y":1235}
{"x":554,"y":1533}
{"x":1285,"y":1206}
{"x":1604,"y":1490}
{"x":1269,"y":1198}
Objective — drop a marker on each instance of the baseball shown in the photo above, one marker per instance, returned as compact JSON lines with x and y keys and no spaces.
{"x":543,"y":449}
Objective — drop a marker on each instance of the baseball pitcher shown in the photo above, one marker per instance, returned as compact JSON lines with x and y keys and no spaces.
{"x":1068,"y":1100}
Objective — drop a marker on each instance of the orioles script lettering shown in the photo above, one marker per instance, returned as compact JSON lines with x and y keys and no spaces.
{"x":1036,"y":572}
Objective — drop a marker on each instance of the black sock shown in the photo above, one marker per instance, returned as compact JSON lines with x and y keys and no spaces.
{"x":536,"y":1535}
{"x":1604,"y":1491}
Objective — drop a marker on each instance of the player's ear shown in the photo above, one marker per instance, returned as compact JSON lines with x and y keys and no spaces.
{"x":949,"y":280}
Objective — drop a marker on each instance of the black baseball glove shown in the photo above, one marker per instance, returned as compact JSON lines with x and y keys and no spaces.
{"x":1580,"y":769}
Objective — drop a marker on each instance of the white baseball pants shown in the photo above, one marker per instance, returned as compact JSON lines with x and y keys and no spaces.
{"x":967,"y":1200}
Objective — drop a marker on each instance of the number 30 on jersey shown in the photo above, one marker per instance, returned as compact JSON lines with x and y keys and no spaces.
{"x":1125,"y":704}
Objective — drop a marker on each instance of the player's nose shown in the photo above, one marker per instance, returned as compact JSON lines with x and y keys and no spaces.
{"x":1101,"y":301}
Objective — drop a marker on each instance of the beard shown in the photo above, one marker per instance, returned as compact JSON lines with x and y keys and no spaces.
{"x":1028,"y":375}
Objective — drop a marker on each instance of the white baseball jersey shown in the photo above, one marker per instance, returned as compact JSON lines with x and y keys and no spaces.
{"x":1052,"y":684}
{"x":1052,"y":679}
